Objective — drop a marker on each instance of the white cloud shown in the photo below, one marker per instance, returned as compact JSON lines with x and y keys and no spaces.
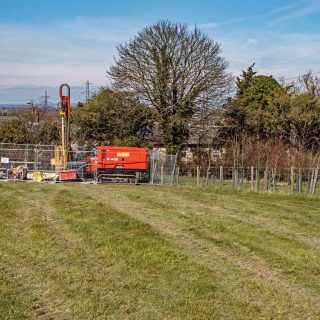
{"x":83,"y":48}
{"x":285,"y":55}
{"x":251,"y":41}
{"x":296,"y":11}
{"x":209,"y":25}
{"x":74,"y":51}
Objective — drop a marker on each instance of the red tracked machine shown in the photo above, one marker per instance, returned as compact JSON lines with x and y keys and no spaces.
{"x":119,"y":164}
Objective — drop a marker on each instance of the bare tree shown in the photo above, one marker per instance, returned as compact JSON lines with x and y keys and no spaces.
{"x":310,"y":83}
{"x":171,"y":69}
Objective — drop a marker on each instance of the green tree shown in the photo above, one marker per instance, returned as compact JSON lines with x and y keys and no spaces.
{"x":112,"y":117}
{"x":251,"y":111}
{"x":173,"y":70}
{"x":245,"y":80}
{"x":14,"y":131}
{"x":50,"y":132}
{"x":304,"y":121}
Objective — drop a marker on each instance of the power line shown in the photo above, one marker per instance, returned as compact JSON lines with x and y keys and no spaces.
{"x":288,"y":61}
{"x":299,"y":76}
{"x":16,"y":100}
{"x":14,"y":97}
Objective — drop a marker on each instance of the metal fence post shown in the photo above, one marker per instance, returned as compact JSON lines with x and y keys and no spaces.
{"x":95,"y":177}
{"x":299,"y":181}
{"x":174,"y":169}
{"x":36,"y":158}
{"x":153,"y":166}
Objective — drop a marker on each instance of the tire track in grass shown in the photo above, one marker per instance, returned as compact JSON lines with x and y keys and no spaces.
{"x":178,"y":271}
{"x":261,"y":222}
{"x":286,"y":210}
{"x":243,"y":216}
{"x":69,"y":244}
{"x":205,"y":250}
{"x":13,"y":303}
{"x":250,"y":218}
{"x":16,"y":266}
{"x":201,"y":249}
{"x":43,"y":241}
{"x":239,"y":244}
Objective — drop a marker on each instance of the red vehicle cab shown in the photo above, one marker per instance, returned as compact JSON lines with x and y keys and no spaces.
{"x":115,"y":163}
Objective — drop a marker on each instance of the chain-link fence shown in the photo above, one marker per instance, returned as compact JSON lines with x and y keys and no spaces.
{"x":162,"y":167}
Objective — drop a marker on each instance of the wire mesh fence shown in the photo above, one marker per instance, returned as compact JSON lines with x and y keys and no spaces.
{"x":39,"y":157}
{"x":44,"y":162}
{"x":282,"y":180}
{"x":162,"y":167}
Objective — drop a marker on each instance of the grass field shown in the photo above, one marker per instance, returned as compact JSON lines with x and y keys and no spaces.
{"x":140,"y":252}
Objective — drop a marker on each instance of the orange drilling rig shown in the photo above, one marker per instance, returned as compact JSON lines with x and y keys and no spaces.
{"x":61,"y":152}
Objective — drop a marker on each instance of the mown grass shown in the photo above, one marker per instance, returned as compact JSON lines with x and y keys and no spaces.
{"x":141,"y":252}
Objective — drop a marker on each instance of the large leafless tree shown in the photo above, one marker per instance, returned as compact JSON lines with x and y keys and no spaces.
{"x":175,"y":70}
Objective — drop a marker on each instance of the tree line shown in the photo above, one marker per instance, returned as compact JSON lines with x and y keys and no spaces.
{"x":171,"y":85}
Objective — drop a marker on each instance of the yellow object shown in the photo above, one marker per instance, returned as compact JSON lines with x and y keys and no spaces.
{"x":123,"y":154}
{"x":60,"y":158}
{"x":37,"y":176}
{"x":17,"y":170}
{"x":18,"y":173}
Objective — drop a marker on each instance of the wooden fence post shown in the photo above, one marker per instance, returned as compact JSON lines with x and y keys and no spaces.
{"x":311,"y":181}
{"x":177,"y":175}
{"x":275,"y":179}
{"x":233,"y":179}
{"x":291,"y":179}
{"x":314,"y":182}
{"x":161,"y":175}
{"x":207,"y":176}
{"x":257,"y":179}
{"x":198,"y":176}
{"x":310,"y":177}
{"x":236,"y":178}
{"x":252,"y":178}
{"x":221,"y":176}
{"x":265,"y":180}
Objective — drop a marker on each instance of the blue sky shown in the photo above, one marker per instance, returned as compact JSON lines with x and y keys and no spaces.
{"x":46,"y":42}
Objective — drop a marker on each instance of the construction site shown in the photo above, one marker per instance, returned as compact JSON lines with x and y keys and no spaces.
{"x":48,"y":163}
{"x":69,"y":162}
{"x":159,"y":160}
